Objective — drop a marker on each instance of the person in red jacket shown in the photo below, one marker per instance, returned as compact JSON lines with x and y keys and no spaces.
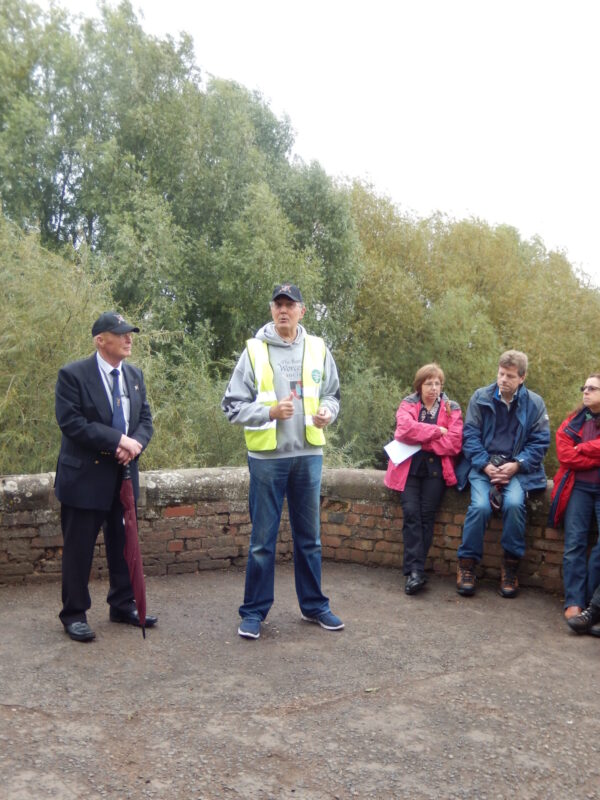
{"x":576,"y":496}
{"x":429,"y":419}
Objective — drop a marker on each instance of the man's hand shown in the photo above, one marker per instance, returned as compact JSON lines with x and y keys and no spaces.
{"x":122,"y":456}
{"x":506,"y":471}
{"x":284,"y":408}
{"x":322,"y":417}
{"x":127,"y":450}
{"x":490,"y":470}
{"x":500,"y":476}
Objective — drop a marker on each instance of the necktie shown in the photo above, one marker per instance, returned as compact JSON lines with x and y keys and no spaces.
{"x":118,"y":418}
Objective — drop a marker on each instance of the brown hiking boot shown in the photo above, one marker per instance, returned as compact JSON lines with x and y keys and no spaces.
{"x":509,"y":583}
{"x":465,"y":576}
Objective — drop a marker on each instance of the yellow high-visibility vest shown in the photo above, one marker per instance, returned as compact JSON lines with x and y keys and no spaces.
{"x":264,"y":437}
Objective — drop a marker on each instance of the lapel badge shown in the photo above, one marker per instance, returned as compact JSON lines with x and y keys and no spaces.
{"x":136,"y":387}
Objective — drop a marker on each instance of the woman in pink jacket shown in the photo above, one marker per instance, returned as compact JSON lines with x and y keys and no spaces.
{"x":429,"y":419}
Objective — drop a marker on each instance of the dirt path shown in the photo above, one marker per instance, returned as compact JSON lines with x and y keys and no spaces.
{"x":434,"y":696}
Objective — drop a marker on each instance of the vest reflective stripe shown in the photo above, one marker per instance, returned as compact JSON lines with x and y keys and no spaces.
{"x":270,"y":424}
{"x":268,"y":398}
{"x":313,"y":364}
{"x":264,"y":437}
{"x":310,"y":391}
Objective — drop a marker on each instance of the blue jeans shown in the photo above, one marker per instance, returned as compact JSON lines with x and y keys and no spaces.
{"x":580,"y":579}
{"x":299,"y":479}
{"x":480,"y":511}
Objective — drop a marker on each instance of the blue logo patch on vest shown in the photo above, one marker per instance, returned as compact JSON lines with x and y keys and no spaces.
{"x":316,"y":375}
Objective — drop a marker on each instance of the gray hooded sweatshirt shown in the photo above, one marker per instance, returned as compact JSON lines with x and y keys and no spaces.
{"x":241,"y":407}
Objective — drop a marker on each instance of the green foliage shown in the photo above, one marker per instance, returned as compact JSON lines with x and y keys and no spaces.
{"x":175,"y":200}
{"x":389,"y":312}
{"x":460,"y":293}
{"x":144,"y":257}
{"x":325,"y":232}
{"x":459,"y":334}
{"x":48,"y":305}
{"x":108,"y":136}
{"x":185,"y":394}
{"x":367,"y":417}
{"x":256,"y":251}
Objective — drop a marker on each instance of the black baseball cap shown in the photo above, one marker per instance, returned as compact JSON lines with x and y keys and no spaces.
{"x":288,"y":290}
{"x":111,"y":322}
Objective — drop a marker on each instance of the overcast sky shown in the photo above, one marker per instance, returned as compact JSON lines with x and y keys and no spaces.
{"x":470,"y":107}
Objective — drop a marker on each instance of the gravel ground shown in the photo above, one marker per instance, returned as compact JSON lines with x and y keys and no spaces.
{"x":432,"y":696}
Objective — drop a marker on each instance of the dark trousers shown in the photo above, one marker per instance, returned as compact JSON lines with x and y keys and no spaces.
{"x":80,"y":528}
{"x":420,"y":501}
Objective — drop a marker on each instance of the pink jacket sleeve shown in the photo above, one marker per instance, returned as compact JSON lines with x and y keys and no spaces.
{"x":451,"y":443}
{"x":409,"y":430}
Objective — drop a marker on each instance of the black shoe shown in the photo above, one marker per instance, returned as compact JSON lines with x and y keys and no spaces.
{"x":131,"y":618}
{"x":80,"y":632}
{"x":584,"y":622}
{"x":414,"y":582}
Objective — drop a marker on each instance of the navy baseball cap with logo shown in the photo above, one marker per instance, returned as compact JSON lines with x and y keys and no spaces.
{"x":288,"y":290}
{"x":111,"y":322}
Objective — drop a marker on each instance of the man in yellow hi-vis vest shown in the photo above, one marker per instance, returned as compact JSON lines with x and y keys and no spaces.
{"x":284,"y":390}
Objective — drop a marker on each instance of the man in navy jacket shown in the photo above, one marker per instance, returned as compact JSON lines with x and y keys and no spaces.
{"x":105,"y":419}
{"x":505,"y":438}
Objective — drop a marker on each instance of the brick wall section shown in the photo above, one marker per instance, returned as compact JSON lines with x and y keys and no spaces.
{"x":191,"y":520}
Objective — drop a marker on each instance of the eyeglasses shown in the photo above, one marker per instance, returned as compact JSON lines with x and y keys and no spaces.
{"x":590,"y":388}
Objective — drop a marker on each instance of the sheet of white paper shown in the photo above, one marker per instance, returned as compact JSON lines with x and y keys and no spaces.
{"x":399,"y":452}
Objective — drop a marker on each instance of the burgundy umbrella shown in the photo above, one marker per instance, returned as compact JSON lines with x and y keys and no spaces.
{"x":132,"y":553}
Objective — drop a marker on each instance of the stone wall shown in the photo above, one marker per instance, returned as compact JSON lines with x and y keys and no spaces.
{"x":197,"y":519}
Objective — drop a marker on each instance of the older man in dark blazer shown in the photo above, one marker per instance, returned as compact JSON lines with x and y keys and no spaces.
{"x":105,"y":420}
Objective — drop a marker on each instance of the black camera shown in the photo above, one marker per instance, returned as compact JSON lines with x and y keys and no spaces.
{"x":497,"y":460}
